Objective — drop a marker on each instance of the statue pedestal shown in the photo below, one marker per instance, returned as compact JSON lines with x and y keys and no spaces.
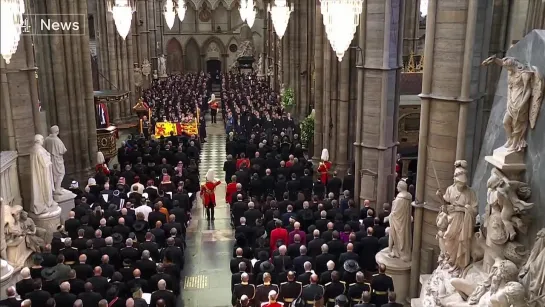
{"x":48,"y":221}
{"x":66,"y":203}
{"x":6,"y":280}
{"x":400,"y":271}
{"x":507,"y":161}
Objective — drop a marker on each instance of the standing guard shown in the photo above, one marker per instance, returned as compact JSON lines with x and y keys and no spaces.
{"x":262,"y":291}
{"x":208,"y":195}
{"x":313,"y":294}
{"x":381,"y":285}
{"x":356,"y":289}
{"x":333,"y":289}
{"x":243,"y":289}
{"x":290,"y":290}
{"x":324,"y":167}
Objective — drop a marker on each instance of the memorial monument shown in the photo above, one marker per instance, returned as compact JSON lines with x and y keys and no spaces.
{"x":497,"y":266}
{"x":44,"y":209}
{"x":162,"y":66}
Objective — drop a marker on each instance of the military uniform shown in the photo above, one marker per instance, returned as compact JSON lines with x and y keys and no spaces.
{"x":332,"y":290}
{"x":289,"y":291}
{"x":242,"y":289}
{"x":355,"y":290}
{"x":312,"y":294}
{"x":262,"y":293}
{"x":381,"y":284}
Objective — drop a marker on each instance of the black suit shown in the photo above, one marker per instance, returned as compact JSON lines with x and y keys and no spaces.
{"x":369,"y":247}
{"x":314,"y":247}
{"x":113,"y":253}
{"x":140,"y":283}
{"x":38,"y":297}
{"x":152,"y":247}
{"x":236,"y":261}
{"x":90,"y":298}
{"x":83,"y":270}
{"x":77,"y":286}
{"x":159,"y":235}
{"x":24,"y":286}
{"x":392,"y":305}
{"x":282,"y":263}
{"x":166,"y":295}
{"x":299,"y":263}
{"x":321,"y":262}
{"x":155,"y":216}
{"x":71,"y":226}
{"x":129,"y":253}
{"x":108,"y":270}
{"x":170,"y":281}
{"x":10,"y":302}
{"x":65,"y":299}
{"x":147,"y":268}
{"x":100,"y":284}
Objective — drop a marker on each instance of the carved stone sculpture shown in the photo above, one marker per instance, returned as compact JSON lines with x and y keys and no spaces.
{"x":502,"y":220}
{"x":54,"y":145}
{"x":21,"y":234}
{"x":41,"y":169}
{"x":399,"y":245}
{"x":146,"y":68}
{"x":460,"y":205}
{"x":137,"y":75}
{"x":162,"y":66}
{"x":532,"y":274}
{"x":526,"y":87}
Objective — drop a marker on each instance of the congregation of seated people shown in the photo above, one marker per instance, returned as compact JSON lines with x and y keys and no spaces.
{"x":123,"y":243}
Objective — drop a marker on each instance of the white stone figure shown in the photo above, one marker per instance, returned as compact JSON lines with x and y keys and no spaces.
{"x":260,"y":66}
{"x":54,"y":145}
{"x":460,"y":204}
{"x":17,"y":251}
{"x":146,"y":68}
{"x":162,"y":66}
{"x":532,"y":274}
{"x":503,"y":272}
{"x":399,"y":243}
{"x":505,"y":202}
{"x":41,"y":170}
{"x":526,"y":88}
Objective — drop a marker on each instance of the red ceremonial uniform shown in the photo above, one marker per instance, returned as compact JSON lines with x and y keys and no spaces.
{"x":208,"y":193}
{"x":273,"y":304}
{"x":279,"y":234}
{"x":323,"y":169}
{"x":229,"y":191}
{"x":240,"y":161}
{"x":102,"y":167}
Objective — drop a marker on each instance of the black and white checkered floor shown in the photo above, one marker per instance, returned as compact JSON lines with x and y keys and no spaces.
{"x":213,"y":154}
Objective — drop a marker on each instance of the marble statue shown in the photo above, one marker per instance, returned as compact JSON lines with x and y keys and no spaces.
{"x":502,"y":219}
{"x":137,"y":75}
{"x":41,"y":170}
{"x":399,"y":245}
{"x":259,"y":65}
{"x":146,"y":68}
{"x":21,"y":235}
{"x":526,"y":88}
{"x":162,"y":66}
{"x":500,"y":283}
{"x":460,"y":206}
{"x":532,"y":273}
{"x":54,"y":145}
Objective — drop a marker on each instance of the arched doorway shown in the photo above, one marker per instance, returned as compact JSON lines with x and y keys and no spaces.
{"x":213,"y":66}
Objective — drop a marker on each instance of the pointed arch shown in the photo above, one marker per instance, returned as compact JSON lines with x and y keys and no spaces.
{"x":217,"y":41}
{"x":192,"y":56}
{"x":174,"y":56}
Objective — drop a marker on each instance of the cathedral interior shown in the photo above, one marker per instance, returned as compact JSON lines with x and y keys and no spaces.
{"x":407,"y":92}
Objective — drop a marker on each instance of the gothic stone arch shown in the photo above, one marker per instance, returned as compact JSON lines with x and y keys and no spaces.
{"x":192,"y":58}
{"x":174,"y":56}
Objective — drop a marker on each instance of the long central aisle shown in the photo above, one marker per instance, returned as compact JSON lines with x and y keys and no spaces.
{"x":206,"y":280}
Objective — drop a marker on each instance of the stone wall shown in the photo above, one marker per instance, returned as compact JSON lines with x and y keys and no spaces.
{"x":528,"y":50}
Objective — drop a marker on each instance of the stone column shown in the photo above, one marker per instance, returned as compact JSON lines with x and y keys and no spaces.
{"x":326,"y":99}
{"x":319,"y":83}
{"x":71,"y":105}
{"x":264,"y":37}
{"x":285,"y":60}
{"x":130,"y":70}
{"x":19,"y":110}
{"x":152,"y":27}
{"x":411,"y":26}
{"x":383,"y":30}
{"x":333,"y":107}
{"x":450,"y":38}
{"x":343,"y":109}
{"x":303,"y":54}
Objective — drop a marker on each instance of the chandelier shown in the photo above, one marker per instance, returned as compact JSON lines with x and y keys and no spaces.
{"x":122,"y":12}
{"x":11,"y":23}
{"x":181,"y":9}
{"x":170,"y":13}
{"x":280,"y":14}
{"x":341,"y":20}
{"x":247,"y":12}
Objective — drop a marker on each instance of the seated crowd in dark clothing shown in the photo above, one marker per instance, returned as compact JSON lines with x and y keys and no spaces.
{"x":126,"y":234}
{"x":308,"y":240}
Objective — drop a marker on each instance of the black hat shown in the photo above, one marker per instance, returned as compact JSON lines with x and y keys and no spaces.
{"x":117,"y":238}
{"x":351,"y":266}
{"x":139,"y":226}
{"x":50,"y":273}
{"x":266,"y":267}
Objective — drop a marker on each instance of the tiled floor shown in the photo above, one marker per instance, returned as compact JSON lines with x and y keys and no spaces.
{"x":206,"y":277}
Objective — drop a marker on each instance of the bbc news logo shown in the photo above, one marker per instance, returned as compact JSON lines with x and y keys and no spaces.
{"x":54,"y":24}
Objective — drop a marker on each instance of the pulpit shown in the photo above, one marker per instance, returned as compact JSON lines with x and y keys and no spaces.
{"x":144,"y":114}
{"x":107,"y":133}
{"x":245,"y":64}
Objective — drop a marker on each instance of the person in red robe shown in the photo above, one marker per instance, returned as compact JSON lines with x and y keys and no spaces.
{"x":101,"y":164}
{"x":277,"y":234}
{"x":272,"y":300}
{"x":324,"y":166}
{"x":243,"y":160}
{"x":231,"y":189}
{"x":208,"y":195}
